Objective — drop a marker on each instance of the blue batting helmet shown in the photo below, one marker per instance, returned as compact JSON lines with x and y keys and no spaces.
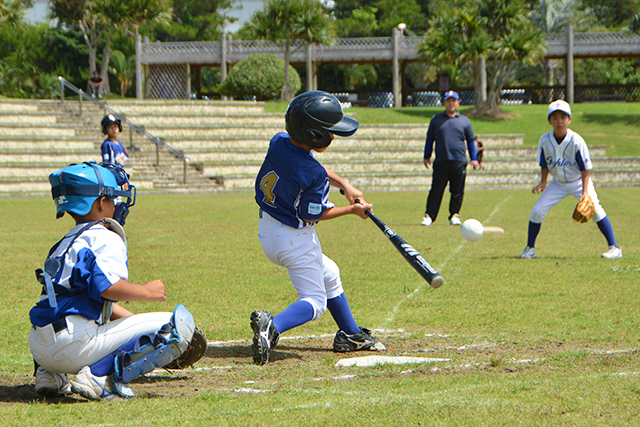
{"x":75,"y":187}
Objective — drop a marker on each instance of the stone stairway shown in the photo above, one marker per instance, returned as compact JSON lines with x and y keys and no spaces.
{"x":226,"y":143}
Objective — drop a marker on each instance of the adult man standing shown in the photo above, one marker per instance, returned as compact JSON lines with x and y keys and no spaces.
{"x":453,"y":136}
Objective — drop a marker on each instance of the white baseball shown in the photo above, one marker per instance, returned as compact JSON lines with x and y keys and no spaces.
{"x":471,"y":230}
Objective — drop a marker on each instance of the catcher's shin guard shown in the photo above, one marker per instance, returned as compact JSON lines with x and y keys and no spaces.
{"x":156,"y":351}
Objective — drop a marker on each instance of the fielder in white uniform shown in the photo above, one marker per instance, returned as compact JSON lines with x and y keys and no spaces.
{"x":292,"y":190}
{"x":565,"y":155}
{"x":78,"y":327}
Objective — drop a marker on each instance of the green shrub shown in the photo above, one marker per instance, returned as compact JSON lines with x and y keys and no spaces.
{"x":261,"y":76}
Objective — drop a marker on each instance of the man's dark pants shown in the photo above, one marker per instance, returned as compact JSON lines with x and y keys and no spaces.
{"x":446,"y":171}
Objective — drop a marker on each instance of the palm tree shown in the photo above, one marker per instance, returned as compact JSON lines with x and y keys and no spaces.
{"x":284,"y":22}
{"x":489,"y":36}
{"x":553,"y":16}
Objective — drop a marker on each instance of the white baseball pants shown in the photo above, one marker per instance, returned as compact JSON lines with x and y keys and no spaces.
{"x":557,"y":191}
{"x":84,"y":342}
{"x":315,"y":276}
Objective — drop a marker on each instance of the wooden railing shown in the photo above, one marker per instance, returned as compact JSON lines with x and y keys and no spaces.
{"x":369,"y":49}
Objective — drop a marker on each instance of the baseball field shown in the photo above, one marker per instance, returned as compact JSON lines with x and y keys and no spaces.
{"x":547,"y":342}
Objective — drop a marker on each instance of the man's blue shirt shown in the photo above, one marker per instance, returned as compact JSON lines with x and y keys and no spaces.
{"x":453,"y":137}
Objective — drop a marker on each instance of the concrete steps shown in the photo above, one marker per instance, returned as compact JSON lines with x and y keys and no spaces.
{"x":226,"y":142}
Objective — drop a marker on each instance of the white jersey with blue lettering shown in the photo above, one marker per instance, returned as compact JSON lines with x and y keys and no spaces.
{"x":565,"y":160}
{"x":93,"y":260}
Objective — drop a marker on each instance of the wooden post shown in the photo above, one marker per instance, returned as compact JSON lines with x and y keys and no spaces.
{"x":395,"y":44}
{"x":139,"y":77}
{"x":309,"y":66}
{"x":569,"y":64}
{"x":188,"y":82}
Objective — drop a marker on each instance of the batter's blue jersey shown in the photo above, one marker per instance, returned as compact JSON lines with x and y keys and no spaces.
{"x":292,"y":186}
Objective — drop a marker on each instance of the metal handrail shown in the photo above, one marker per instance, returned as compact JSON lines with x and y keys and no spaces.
{"x":132,"y":126}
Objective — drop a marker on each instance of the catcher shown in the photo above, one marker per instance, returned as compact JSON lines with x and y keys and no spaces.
{"x":78,"y":327}
{"x":565,"y":155}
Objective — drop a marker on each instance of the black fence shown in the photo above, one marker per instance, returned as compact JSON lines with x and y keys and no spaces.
{"x":536,"y":95}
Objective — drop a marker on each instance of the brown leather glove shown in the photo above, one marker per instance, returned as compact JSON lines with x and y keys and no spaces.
{"x":584,"y":210}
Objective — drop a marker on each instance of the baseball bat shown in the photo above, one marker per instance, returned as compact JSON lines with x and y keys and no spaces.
{"x":410,"y":255}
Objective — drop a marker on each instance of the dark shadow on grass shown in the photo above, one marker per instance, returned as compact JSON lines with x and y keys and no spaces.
{"x":281,"y":352}
{"x":467,"y":110}
{"x":610,"y":119}
{"x":26,"y":393}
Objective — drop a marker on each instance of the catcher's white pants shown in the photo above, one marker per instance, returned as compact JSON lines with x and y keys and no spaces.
{"x":84,"y":342}
{"x":557,"y":191}
{"x":315,"y":276}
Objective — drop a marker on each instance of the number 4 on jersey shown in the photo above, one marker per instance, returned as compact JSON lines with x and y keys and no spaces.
{"x":267,"y":184}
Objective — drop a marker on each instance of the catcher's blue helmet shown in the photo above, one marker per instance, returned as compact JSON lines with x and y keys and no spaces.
{"x":312,"y":116}
{"x":75,"y":187}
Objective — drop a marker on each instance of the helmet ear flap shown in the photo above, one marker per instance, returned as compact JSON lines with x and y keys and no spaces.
{"x":318,"y":138}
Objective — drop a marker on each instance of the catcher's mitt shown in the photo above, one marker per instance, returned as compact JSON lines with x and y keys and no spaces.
{"x":194,"y":352}
{"x":584,"y":209}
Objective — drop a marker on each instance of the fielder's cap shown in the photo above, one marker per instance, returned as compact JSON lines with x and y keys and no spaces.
{"x":559,"y":105}
{"x":451,"y":94}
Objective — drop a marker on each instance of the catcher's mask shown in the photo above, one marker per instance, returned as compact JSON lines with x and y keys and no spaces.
{"x":75,"y":188}
{"x":108,"y":120}
{"x":312,"y":117}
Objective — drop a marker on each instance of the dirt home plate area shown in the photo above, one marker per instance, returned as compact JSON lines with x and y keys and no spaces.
{"x":227,"y":366}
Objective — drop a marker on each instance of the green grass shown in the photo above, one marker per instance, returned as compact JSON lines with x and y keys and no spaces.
{"x":614,"y":125}
{"x":558,"y":314}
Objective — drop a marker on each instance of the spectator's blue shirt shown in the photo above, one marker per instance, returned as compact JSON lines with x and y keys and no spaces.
{"x":453,"y":137}
{"x":292,"y":186}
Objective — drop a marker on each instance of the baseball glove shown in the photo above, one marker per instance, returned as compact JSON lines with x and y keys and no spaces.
{"x":584,"y":209}
{"x":194,"y":352}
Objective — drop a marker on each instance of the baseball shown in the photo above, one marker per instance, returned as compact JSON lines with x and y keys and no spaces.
{"x":471,"y":230}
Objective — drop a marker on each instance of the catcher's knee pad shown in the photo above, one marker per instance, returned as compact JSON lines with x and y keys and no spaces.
{"x":156,"y":350}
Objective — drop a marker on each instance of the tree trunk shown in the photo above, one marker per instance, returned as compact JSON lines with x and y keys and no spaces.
{"x":287,"y":91}
{"x":106,"y":57}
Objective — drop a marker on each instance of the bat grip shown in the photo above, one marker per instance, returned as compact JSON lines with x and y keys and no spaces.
{"x":367,"y":212}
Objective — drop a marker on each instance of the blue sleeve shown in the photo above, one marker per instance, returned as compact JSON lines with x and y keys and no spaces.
{"x":580,"y":161}
{"x":312,"y":201}
{"x":542,"y":161}
{"x":471,"y":142}
{"x":86,"y":274}
{"x":473,"y":151}
{"x":428,"y":148}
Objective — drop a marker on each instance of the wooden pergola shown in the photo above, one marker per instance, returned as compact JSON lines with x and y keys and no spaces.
{"x":166,"y":66}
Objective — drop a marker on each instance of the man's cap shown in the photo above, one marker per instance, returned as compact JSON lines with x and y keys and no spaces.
{"x":559,"y":105}
{"x":451,"y":94}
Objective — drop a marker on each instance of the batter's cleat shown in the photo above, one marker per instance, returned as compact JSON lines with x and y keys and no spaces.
{"x":613,"y":252}
{"x":265,"y":336}
{"x":455,"y":220}
{"x":529,"y":253}
{"x":91,"y":387}
{"x":357,"y":342}
{"x":426,"y":220}
{"x":49,"y":384}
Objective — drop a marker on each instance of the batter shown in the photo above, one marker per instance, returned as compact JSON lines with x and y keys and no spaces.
{"x":292,"y":190}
